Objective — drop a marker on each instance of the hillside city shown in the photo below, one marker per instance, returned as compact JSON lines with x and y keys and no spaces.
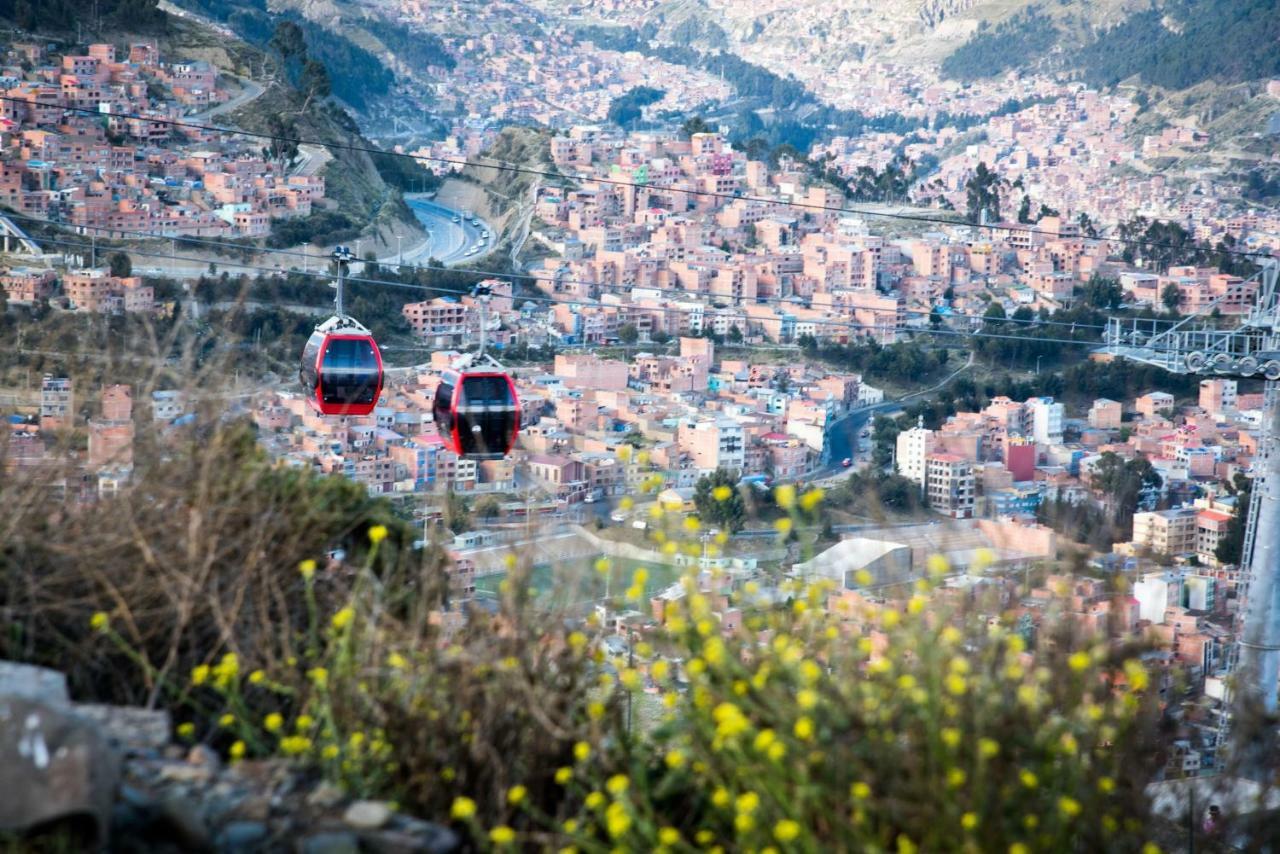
{"x":682,"y":310}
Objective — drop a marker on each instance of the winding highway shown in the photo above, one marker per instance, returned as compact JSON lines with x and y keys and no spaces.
{"x":448,"y":241}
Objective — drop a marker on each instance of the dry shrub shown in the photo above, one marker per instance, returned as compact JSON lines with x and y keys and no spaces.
{"x":196,"y":558}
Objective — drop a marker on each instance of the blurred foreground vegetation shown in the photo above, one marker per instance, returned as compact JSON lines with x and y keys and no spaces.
{"x":282,"y":614}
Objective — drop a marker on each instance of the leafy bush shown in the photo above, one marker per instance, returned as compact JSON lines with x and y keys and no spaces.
{"x":320,"y":227}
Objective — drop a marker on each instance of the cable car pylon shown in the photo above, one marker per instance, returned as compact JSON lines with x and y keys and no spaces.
{"x":1195,"y":345}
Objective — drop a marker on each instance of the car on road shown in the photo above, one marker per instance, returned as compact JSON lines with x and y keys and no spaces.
{"x":618,"y":516}
{"x":485,"y":235}
{"x":846,"y":462}
{"x":457,"y":219}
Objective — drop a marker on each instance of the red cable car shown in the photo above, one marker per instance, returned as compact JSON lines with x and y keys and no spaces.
{"x":342,"y":368}
{"x":477,"y":413}
{"x":341,"y":365}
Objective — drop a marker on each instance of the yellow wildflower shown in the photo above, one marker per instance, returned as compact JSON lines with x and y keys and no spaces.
{"x":516,"y":795}
{"x":786,"y":830}
{"x":811,"y":499}
{"x":669,"y":836}
{"x":616,"y":819}
{"x":785,"y":496}
{"x":617,"y":784}
{"x":860,"y":791}
{"x":1136,"y":674}
{"x":674,"y":759}
{"x":595,"y":800}
{"x":462,"y":809}
{"x":295,"y":745}
{"x":343,"y":618}
{"x":720,"y":797}
{"x":937,"y":565}
{"x":304,"y":722}
{"x":582,"y":751}
{"x":803,"y":728}
{"x":1069,"y":807}
{"x":257,"y":677}
{"x":722,"y":493}
{"x":806,"y":698}
{"x":273,"y":722}
{"x":1078,"y":661}
{"x":502,"y":835}
{"x":187,"y":730}
{"x":377,"y":534}
{"x":307,"y":569}
{"x":1029,"y":779}
{"x":200,"y":674}
{"x":318,"y":676}
{"x":226,"y":720}
{"x":237,"y":750}
{"x":100,"y":622}
{"x":969,"y":821}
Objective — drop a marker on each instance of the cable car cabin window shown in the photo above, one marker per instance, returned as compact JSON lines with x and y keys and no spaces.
{"x":487,"y":417}
{"x":442,"y":411}
{"x":310,"y":353}
{"x":349,"y":373}
{"x":484,"y":391}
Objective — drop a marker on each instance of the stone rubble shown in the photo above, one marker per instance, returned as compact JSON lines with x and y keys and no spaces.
{"x":113,"y":780}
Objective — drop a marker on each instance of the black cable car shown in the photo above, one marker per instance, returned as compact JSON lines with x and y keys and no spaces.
{"x":477,"y":413}
{"x":342,"y":368}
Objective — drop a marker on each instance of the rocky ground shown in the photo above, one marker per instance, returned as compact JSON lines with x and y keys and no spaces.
{"x":89,"y":777}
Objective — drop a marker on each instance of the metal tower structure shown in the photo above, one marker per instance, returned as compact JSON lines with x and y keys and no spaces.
{"x":1200,"y":344}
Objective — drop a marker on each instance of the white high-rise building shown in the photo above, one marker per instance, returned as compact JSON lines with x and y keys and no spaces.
{"x":913,"y":448}
{"x":1046,"y":420}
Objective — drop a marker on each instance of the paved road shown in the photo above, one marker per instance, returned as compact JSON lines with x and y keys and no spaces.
{"x":251,"y":91}
{"x":448,"y":241}
{"x":842,"y":435}
{"x":313,"y":159}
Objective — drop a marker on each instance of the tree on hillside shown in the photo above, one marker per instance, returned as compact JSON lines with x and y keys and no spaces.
{"x":457,"y":513}
{"x":1171,"y":297}
{"x":628,"y":334}
{"x":119,"y":264}
{"x":697,"y":124}
{"x":287,"y":40}
{"x":719,"y":501}
{"x":1024,"y":210}
{"x":1124,"y":484}
{"x":982,"y":193}
{"x":1231,"y":545}
{"x":1102,"y":293}
{"x":314,"y":81}
{"x":488,"y":507}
